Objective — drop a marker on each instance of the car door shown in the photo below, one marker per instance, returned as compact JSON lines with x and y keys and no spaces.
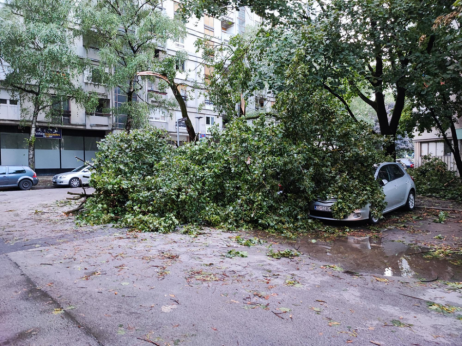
{"x":400,"y":184}
{"x":3,"y":176}
{"x":14,"y":173}
{"x":384,"y":175}
{"x":85,"y":175}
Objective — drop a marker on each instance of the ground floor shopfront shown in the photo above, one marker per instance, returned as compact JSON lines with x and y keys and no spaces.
{"x":52,"y":155}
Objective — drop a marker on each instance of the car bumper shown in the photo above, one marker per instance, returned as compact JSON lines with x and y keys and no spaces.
{"x":357,"y":215}
{"x":60,"y":182}
{"x":35,"y":181}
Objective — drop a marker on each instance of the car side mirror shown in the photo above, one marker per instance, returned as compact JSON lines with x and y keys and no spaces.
{"x":383,"y":182}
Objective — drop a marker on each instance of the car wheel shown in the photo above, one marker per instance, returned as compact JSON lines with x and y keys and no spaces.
{"x":410,"y":204}
{"x":25,"y":184}
{"x":373,"y":220}
{"x":74,"y":182}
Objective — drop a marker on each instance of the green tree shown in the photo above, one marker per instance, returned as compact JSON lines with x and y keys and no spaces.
{"x":131,"y":36}
{"x":37,"y":58}
{"x":436,"y":100}
{"x":358,"y":48}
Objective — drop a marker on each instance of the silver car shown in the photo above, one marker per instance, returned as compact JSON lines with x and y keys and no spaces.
{"x":398,"y":187}
{"x":75,"y":178}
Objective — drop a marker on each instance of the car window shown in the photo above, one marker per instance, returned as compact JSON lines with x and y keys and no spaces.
{"x":2,"y":170}
{"x":16,"y":170}
{"x":395,"y":172}
{"x":383,"y":174}
{"x":78,"y":169}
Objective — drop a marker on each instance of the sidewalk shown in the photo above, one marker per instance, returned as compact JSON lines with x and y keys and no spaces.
{"x":44,"y":182}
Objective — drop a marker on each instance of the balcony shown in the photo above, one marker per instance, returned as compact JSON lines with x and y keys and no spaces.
{"x":225,"y":36}
{"x":61,"y":118}
{"x":99,"y":119}
{"x":10,"y":112}
{"x":208,"y":105}
{"x":160,"y":124}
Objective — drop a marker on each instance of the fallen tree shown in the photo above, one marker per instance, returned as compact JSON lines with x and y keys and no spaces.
{"x":232,"y":180}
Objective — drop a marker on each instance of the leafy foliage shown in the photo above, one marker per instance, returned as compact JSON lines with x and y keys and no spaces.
{"x":249,"y":242}
{"x":233,"y":180}
{"x":234,"y":253}
{"x":288,"y":253}
{"x":433,"y":178}
{"x":128,"y":34}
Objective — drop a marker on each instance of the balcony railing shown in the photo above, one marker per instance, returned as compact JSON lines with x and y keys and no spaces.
{"x":61,"y":118}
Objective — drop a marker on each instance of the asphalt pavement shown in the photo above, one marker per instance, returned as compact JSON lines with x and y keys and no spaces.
{"x":68,"y":285}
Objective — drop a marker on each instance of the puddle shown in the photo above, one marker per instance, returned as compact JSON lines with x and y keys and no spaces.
{"x":375,"y":256}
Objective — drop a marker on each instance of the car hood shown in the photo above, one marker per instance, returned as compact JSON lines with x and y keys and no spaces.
{"x":67,"y":174}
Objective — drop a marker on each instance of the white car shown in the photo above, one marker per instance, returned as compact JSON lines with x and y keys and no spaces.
{"x":398,"y":187}
{"x":75,"y":178}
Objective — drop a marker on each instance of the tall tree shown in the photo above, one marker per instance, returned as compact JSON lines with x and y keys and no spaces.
{"x":131,"y":35}
{"x":37,"y":58}
{"x":436,"y":100}
{"x":357,"y":48}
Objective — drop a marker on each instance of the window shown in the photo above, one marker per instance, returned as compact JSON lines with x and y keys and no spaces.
{"x":207,"y":72}
{"x":159,"y":54}
{"x":2,"y":170}
{"x":241,"y":19}
{"x":209,"y":120}
{"x":182,"y":89}
{"x":395,"y":171}
{"x":259,"y":103}
{"x":61,"y":110}
{"x":103,"y":107}
{"x":90,"y":41}
{"x":16,"y":170}
{"x":14,"y":102}
{"x":210,"y":48}
{"x":208,"y":26}
{"x":383,"y":174}
{"x":447,"y":150}
{"x":180,"y":65}
{"x":3,"y":101}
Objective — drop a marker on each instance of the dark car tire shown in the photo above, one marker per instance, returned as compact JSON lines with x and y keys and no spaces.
{"x":373,"y":220}
{"x":74,"y":182}
{"x":25,"y":184}
{"x":410,"y":203}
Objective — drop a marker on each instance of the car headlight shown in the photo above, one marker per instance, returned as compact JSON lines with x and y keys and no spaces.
{"x":61,"y":177}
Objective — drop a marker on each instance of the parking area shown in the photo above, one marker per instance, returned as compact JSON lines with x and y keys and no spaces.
{"x":99,"y":285}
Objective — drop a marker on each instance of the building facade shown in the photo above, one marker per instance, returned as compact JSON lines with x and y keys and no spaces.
{"x":433,"y":144}
{"x":76,"y":133}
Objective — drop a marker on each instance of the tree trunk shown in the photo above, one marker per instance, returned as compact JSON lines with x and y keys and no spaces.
{"x":31,"y":149}
{"x":184,"y":112}
{"x":456,"y":150}
{"x":385,"y":128}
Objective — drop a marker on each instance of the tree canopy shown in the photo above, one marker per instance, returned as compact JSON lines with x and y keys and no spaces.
{"x":131,"y":37}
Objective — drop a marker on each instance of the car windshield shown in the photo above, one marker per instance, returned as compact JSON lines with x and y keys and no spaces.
{"x":78,"y":169}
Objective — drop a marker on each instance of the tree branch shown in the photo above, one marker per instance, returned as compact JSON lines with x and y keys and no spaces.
{"x":341,"y":100}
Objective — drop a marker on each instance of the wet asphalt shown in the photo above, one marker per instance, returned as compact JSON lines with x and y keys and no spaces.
{"x":68,"y":285}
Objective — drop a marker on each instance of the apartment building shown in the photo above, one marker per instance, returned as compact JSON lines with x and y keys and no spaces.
{"x":75,"y":133}
{"x":433,"y":144}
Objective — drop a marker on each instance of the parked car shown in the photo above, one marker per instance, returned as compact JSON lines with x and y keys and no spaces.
{"x":18,"y":176}
{"x":406,"y":163}
{"x":398,"y":186}
{"x":75,"y":178}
